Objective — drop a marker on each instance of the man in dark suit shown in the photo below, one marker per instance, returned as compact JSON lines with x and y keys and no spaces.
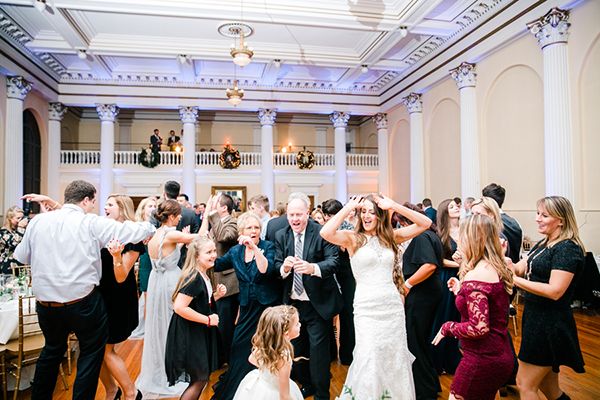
{"x":429,"y":210}
{"x":155,"y":140}
{"x":512,"y":230}
{"x":275,"y":225}
{"x":188,"y":217}
{"x":308,"y":264}
{"x":224,"y":232}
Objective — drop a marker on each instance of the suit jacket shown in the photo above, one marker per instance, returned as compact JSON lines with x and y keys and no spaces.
{"x":514,"y":235}
{"x":323,"y":293}
{"x":254,"y":285}
{"x":432,"y":214}
{"x":225,"y":234}
{"x":155,"y":142}
{"x":188,"y":217}
{"x":275,"y":225}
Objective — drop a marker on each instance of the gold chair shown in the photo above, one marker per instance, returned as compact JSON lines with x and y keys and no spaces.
{"x":3,"y":372}
{"x":25,"y":350}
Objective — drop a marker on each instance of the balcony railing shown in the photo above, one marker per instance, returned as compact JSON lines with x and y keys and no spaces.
{"x":211,"y":159}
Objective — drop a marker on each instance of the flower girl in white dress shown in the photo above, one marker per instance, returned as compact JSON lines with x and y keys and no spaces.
{"x":273,"y":354}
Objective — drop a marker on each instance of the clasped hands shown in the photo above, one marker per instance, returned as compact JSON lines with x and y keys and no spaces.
{"x":299,"y":265}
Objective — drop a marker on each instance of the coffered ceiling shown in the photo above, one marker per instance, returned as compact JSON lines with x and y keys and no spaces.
{"x":312,"y":46}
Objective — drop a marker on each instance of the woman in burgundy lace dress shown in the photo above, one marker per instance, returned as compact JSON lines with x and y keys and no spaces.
{"x":482,"y":297}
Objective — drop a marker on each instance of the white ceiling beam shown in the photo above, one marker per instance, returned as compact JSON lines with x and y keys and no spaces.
{"x":349,"y":78}
{"x":270,"y":74}
{"x":187,"y":70}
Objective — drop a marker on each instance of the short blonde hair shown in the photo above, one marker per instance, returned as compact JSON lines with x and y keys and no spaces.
{"x":10,"y":214}
{"x":242,"y":220}
{"x":140,"y":213}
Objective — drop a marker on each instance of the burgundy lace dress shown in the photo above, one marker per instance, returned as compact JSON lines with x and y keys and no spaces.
{"x":488,"y":360}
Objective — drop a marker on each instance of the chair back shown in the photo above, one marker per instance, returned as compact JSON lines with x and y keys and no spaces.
{"x":28,"y":326}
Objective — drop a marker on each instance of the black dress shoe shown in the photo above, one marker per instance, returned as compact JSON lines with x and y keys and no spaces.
{"x":307,"y":391}
{"x":138,"y":396}
{"x":118,"y":394}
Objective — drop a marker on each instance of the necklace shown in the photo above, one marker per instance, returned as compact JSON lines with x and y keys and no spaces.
{"x":540,"y":250}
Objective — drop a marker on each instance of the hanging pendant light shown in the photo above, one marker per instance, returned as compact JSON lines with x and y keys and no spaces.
{"x":235,"y":95}
{"x":242,"y":54}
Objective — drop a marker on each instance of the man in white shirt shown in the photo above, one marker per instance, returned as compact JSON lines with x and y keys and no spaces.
{"x":63,"y":249}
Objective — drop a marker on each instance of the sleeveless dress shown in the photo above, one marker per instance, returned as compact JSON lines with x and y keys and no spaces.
{"x":382,"y":363}
{"x":152,"y":381}
{"x":262,"y":384}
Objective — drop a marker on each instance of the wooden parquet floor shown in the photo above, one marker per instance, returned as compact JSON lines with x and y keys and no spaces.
{"x":578,"y":386}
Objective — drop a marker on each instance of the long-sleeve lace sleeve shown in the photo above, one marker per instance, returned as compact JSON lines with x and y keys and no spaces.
{"x":478,"y":324}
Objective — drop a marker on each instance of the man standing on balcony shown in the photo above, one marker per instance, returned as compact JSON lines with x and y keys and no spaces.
{"x":156,"y":141}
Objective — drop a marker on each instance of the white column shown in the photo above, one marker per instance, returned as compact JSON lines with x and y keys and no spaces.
{"x":56,"y":112}
{"x":340,"y":121}
{"x":414,"y":105}
{"x":267,"y":180}
{"x":107,"y":113}
{"x":321,"y":139}
{"x":552,"y":32}
{"x":465,"y":78}
{"x":16,"y":90}
{"x":383,"y":152}
{"x":189,"y":116}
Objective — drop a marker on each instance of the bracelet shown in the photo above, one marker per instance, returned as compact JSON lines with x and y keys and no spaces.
{"x":208,"y":323}
{"x":408,"y":285}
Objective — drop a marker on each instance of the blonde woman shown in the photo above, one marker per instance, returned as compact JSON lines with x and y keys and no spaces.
{"x":548,"y":277}
{"x":272,"y":354}
{"x":10,"y":237}
{"x":318,"y":216}
{"x":119,"y":290}
{"x":192,"y":339}
{"x":383,"y":365}
{"x":482,"y":292}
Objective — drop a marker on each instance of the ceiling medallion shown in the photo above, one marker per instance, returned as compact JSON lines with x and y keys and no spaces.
{"x":241,"y":53}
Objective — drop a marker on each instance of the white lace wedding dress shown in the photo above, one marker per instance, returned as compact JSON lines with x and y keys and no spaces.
{"x":382,"y":363}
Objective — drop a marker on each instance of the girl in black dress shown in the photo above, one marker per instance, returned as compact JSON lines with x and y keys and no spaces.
{"x":548,"y":276}
{"x":421,"y":261}
{"x":191,"y":350}
{"x":119,"y":289}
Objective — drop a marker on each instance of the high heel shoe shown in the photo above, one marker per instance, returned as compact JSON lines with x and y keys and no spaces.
{"x":138,"y":396}
{"x":118,"y":394}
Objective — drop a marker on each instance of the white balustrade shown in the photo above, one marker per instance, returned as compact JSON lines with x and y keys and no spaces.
{"x":211,"y":158}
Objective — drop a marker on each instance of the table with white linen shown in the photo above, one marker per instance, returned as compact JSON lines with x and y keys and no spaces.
{"x":9,"y":329}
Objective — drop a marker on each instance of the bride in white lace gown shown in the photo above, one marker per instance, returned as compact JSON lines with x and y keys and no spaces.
{"x":164,"y":251}
{"x":382,"y":363}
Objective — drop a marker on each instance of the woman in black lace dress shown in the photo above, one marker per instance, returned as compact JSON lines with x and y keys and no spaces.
{"x":548,"y":276}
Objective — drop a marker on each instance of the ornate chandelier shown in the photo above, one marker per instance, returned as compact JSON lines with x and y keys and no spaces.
{"x":235,"y":95}
{"x":242,"y":54}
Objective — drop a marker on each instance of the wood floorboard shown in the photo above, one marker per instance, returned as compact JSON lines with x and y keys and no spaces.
{"x":578,"y":386}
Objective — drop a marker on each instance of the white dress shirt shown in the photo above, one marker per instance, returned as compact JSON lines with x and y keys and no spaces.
{"x":63,"y":248}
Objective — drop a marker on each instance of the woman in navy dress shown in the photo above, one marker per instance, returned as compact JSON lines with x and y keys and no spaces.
{"x":548,"y":276}
{"x":260,"y":287}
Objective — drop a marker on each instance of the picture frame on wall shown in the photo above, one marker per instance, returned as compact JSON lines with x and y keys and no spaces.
{"x":237,"y":193}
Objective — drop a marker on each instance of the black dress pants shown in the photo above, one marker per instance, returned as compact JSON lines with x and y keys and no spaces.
{"x":87,"y":319}
{"x":313,"y":343}
{"x":227,"y":309}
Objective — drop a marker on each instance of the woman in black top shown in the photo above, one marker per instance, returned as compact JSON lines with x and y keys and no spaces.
{"x":548,"y":276}
{"x":423,"y":289}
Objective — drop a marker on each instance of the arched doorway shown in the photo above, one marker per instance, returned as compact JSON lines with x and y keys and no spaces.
{"x":32,"y":149}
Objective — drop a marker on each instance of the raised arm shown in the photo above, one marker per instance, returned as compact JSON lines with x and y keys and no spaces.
{"x":421,"y":221}
{"x":330,"y":231}
{"x":478,"y":324}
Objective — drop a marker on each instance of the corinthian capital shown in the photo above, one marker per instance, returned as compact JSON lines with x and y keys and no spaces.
{"x":551,"y":28}
{"x":107,"y":112}
{"x":464,"y":75}
{"x":17,"y":87}
{"x":381,"y":120}
{"x":267,"y":116}
{"x":339,"y":119}
{"x":413,"y":103}
{"x":188,"y":115}
{"x":56,"y":111}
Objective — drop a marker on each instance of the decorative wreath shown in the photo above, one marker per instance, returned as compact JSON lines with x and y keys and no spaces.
{"x":305,"y":159}
{"x":149,"y":158}
{"x":230,"y":157}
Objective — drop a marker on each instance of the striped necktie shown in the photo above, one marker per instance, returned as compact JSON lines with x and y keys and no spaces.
{"x":298,"y":285}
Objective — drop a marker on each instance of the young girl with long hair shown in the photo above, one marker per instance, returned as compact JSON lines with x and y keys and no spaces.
{"x":482,"y":292}
{"x":272,"y":353}
{"x":381,"y":366}
{"x":191,"y":349}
